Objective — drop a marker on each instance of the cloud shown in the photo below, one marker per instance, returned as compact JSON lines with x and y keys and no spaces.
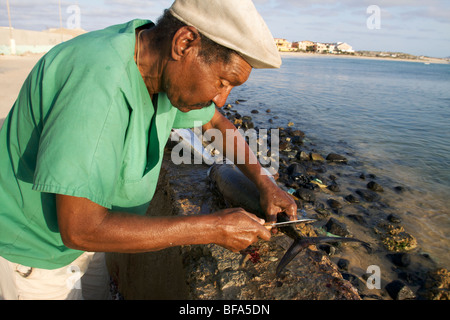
{"x":316,"y":20}
{"x":95,"y":14}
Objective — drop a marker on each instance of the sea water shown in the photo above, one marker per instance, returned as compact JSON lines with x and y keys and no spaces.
{"x":392,"y":116}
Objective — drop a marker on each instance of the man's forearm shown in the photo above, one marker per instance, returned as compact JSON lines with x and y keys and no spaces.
{"x":234,"y":147}
{"x":85,"y":225}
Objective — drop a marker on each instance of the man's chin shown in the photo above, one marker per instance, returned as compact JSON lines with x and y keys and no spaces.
{"x":190,"y":108}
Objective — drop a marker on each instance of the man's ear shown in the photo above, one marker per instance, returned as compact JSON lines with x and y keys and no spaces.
{"x":184,"y":40}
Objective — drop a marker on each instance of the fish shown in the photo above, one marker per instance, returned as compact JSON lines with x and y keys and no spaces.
{"x":239,"y":191}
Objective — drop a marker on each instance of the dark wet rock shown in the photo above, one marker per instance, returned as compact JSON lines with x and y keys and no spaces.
{"x":291,"y":154}
{"x":399,"y":189}
{"x":303,"y":156}
{"x":334,"y":187}
{"x":332,"y":177}
{"x":334,"y":204}
{"x":295,"y":169}
{"x":320,"y":169}
{"x":358,"y":218}
{"x":400,"y":259}
{"x":328,"y":249}
{"x":351,"y":198}
{"x":372,"y":185}
{"x":297,"y":140}
{"x":368,"y":195}
{"x":322,"y":213}
{"x":254,"y":111}
{"x":305,"y":195}
{"x":285,"y":146}
{"x":336,"y":227}
{"x":248,"y":125}
{"x":301,"y":180}
{"x":268,"y":110}
{"x":297,"y":133}
{"x":363,"y":176}
{"x":361,"y":209}
{"x":343,"y":264}
{"x":398,"y":290}
{"x":354,"y":280}
{"x":411,"y":278}
{"x":334,"y":157}
{"x":394,"y":218}
{"x":311,"y":186}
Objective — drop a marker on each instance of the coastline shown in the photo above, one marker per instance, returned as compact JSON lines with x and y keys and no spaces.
{"x":348,"y":199}
{"x":425,"y":60}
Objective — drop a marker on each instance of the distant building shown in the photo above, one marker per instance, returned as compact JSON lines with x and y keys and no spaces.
{"x":331,"y":47}
{"x":344,"y":47}
{"x":283,"y":45}
{"x":310,"y":46}
{"x":320,"y":47}
{"x":305,"y":45}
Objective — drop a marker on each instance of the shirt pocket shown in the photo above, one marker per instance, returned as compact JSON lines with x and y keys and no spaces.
{"x":134,"y":196}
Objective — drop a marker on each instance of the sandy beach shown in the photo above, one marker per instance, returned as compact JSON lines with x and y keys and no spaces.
{"x":13,"y":72}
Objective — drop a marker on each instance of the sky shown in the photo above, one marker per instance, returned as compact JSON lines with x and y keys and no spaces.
{"x":419,"y":27}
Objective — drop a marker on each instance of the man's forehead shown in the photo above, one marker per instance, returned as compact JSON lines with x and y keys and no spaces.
{"x":238,"y":69}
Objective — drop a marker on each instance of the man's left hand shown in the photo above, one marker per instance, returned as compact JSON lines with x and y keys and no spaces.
{"x":273,"y":200}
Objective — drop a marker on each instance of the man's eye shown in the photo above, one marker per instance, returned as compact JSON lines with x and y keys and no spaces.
{"x":223,"y":84}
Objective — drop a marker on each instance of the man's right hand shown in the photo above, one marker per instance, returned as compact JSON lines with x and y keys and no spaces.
{"x":237,"y":229}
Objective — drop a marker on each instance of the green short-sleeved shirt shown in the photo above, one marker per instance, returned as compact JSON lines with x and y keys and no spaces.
{"x":83,"y":125}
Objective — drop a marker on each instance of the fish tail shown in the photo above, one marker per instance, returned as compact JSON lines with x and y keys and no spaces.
{"x":318,"y":240}
{"x":301,"y":243}
{"x":297,"y":246}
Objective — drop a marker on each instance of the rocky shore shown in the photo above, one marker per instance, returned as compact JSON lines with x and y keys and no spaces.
{"x":350,"y":203}
{"x":329,"y":187}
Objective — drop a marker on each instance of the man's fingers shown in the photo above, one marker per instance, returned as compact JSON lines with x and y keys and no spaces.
{"x":291,"y":211}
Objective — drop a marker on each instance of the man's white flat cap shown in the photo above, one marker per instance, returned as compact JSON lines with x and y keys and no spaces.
{"x":235,"y":24}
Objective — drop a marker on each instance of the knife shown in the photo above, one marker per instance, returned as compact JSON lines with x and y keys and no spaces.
{"x":270,"y":225}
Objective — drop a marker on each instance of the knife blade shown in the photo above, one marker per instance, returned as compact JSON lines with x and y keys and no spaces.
{"x":270,"y":225}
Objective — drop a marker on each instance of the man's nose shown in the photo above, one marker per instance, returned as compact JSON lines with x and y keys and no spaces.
{"x":220,"y":99}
